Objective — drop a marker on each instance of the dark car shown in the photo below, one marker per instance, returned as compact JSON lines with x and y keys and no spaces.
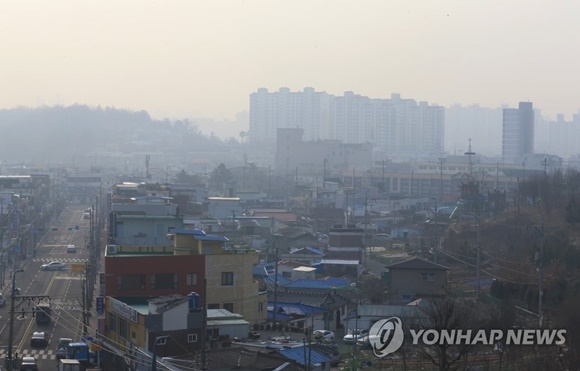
{"x":62,"y":347}
{"x":39,"y":340}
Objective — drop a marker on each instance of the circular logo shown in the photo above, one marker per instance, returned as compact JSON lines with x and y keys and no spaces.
{"x":386,"y":336}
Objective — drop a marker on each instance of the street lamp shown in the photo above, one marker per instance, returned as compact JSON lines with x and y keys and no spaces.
{"x":154,"y":361}
{"x":11,"y":328}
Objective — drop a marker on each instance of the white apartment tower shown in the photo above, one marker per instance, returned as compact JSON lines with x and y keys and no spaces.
{"x":307,"y":110}
{"x":393,"y":125}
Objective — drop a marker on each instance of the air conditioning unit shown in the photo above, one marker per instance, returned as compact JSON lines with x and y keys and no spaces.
{"x":111,"y":249}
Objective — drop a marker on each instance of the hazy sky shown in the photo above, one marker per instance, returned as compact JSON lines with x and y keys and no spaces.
{"x":204,"y":58}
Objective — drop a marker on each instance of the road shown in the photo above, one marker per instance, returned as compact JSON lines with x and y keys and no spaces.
{"x":62,"y":287}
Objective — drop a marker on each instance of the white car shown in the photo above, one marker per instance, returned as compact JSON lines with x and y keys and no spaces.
{"x":323,"y":334}
{"x":354,"y":334}
{"x":53,"y":266}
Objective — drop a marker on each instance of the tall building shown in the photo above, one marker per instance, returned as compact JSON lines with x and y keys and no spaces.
{"x":518,"y":133}
{"x":269,"y":111}
{"x":393,"y":125}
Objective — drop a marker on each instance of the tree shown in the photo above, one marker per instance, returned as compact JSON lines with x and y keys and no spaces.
{"x":447,"y":314}
{"x":219,"y":176}
{"x":185,"y":178}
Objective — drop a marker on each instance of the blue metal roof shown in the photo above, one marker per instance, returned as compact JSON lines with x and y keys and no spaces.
{"x":301,"y":354}
{"x":311,"y":284}
{"x":282,"y":281}
{"x":335,"y":281}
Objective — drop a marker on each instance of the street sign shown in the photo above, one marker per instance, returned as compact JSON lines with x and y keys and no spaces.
{"x":100,"y":305}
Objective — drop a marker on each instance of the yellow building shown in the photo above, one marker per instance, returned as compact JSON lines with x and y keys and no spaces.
{"x":229,"y":280}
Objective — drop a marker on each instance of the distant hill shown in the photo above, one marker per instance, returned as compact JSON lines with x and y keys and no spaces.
{"x":57,"y":133}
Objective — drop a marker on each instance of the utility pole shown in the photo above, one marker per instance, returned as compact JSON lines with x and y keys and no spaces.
{"x":84,"y":300}
{"x":204,"y":328}
{"x":441,"y":162}
{"x":10,"y":360}
{"x":383,"y":177}
{"x":275,"y":243}
{"x":269,"y":182}
{"x":478,"y":252}
{"x":325,"y":165}
{"x":366,"y":235}
{"x":541,"y":279}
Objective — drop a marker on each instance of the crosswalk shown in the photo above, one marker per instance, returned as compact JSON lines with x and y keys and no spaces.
{"x":64,"y":260}
{"x":36,"y":353}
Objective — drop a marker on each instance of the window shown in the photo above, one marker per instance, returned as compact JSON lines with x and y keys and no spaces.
{"x":162,"y":341}
{"x":192,"y":338}
{"x":122,"y":328}
{"x":112,"y":323}
{"x":229,"y":307}
{"x":429,"y":276}
{"x":227,"y":278}
{"x":191,"y":279}
{"x":164,"y":281}
{"x":131,"y":282}
{"x":261,"y":306}
{"x":213,"y":306}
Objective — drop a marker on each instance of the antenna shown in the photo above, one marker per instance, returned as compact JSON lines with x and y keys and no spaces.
{"x":470,"y":153}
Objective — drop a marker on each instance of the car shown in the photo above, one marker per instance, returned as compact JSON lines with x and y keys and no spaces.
{"x":323,"y":334}
{"x":16,"y":291}
{"x":2,"y":300}
{"x":365,"y":341}
{"x":53,"y":266}
{"x":71,"y":249}
{"x":62,"y":347}
{"x":353,"y":335}
{"x":39,"y":340}
{"x":28,"y":364}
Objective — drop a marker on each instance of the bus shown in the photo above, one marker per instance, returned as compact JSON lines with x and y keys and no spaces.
{"x":42,"y":314}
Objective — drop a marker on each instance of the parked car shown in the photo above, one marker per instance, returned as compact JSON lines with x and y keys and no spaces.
{"x":62,"y":347}
{"x":353,"y":335}
{"x":16,"y":291}
{"x":365,"y":341}
{"x":53,"y":266}
{"x":39,"y":340}
{"x":323,"y":334}
{"x":28,"y":364}
{"x":2,"y":300}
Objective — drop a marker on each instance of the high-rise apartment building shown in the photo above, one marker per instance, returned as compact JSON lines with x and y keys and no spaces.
{"x":518,"y":133}
{"x":308,"y":110}
{"x":393,"y":125}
